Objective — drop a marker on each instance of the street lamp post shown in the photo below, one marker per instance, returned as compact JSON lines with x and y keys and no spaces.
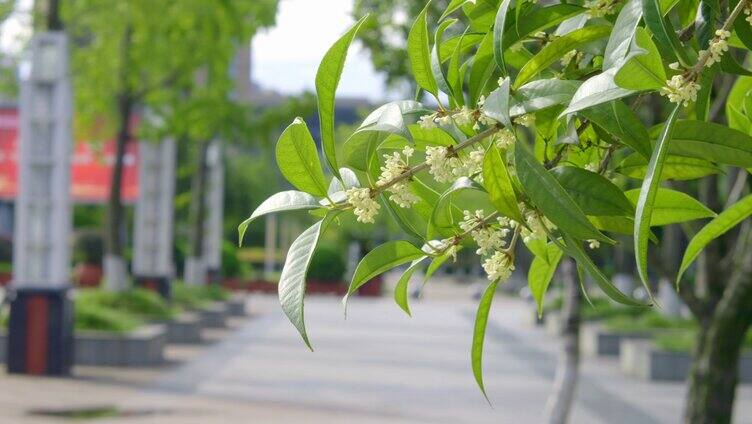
{"x":40,"y":330}
{"x":153,"y":229}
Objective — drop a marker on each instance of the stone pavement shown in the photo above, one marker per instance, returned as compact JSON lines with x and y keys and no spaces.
{"x":378,"y":366}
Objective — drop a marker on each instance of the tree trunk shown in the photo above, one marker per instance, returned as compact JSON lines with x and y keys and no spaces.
{"x":715,"y":368}
{"x":561,"y":400}
{"x":195,"y":272}
{"x":114,"y":264}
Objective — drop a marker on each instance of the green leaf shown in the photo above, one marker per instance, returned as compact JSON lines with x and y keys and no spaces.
{"x":298,"y":159}
{"x":418,"y":50}
{"x":550,"y":197}
{"x":648,"y":193}
{"x":597,"y":90}
{"x":435,"y":264}
{"x":542,"y":94}
{"x":464,"y":192}
{"x":618,"y":120}
{"x":279,"y":202}
{"x":349,"y":180}
{"x":622,"y":34}
{"x":479,"y":334}
{"x":595,"y":194}
{"x":539,"y":19}
{"x":400,"y":290}
{"x":498,"y":34}
{"x":327,"y":80}
{"x":436,"y":59}
{"x":664,"y":33}
{"x":557,"y":48}
{"x":678,"y":168}
{"x":575,"y":250}
{"x":541,"y":272}
{"x":379,"y":260}
{"x":725,"y":221}
{"x":742,"y":28}
{"x":497,"y":104}
{"x":455,"y":74}
{"x":292,"y":280}
{"x":671,"y":207}
{"x":482,"y":68}
{"x":498,"y":183}
{"x":644,"y":71}
{"x":712,"y":142}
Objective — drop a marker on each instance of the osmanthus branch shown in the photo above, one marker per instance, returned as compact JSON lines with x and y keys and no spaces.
{"x":424,"y":165}
{"x":705,"y":55}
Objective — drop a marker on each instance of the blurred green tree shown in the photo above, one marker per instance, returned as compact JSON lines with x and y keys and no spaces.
{"x":170,"y":58}
{"x":385,"y":34}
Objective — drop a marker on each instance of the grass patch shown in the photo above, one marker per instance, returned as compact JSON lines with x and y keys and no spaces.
{"x":142,"y":303}
{"x":198,"y":296}
{"x":647,"y":322}
{"x":92,"y":316}
{"x":685,"y":341}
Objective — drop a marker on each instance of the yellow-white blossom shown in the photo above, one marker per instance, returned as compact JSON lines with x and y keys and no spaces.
{"x":681,"y":90}
{"x":364,"y":207}
{"x":601,"y":8}
{"x":718,"y":45}
{"x":526,"y":120}
{"x":439,"y":164}
{"x":427,"y":121}
{"x":487,"y":237}
{"x":498,"y":266}
{"x":504,"y":139}
{"x":594,"y":244}
{"x":395,"y":165}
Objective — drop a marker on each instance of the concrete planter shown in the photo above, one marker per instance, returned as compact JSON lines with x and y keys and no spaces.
{"x":236,"y":306}
{"x":641,"y":359}
{"x":214,"y":315}
{"x":596,"y":340}
{"x":141,"y":347}
{"x":185,"y":329}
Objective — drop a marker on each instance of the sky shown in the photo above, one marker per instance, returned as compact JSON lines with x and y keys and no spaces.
{"x":285,"y":58}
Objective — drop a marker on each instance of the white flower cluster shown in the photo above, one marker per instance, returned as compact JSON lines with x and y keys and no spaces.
{"x":490,"y":239}
{"x":364,"y":207}
{"x":601,"y":8}
{"x":499,"y":266}
{"x":681,"y":90}
{"x":446,"y":169}
{"x":395,"y":165}
{"x":535,"y":222}
{"x":718,"y":45}
{"x":487,"y":237}
{"x":464,"y":116}
{"x":594,"y":244}
{"x":504,"y":139}
{"x":568,"y":57}
{"x":526,"y":120}
{"x":447,"y":246}
{"x":748,"y":12}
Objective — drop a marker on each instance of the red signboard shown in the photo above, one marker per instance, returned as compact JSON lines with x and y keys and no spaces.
{"x":91,"y":168}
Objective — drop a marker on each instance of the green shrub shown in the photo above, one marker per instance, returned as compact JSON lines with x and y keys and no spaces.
{"x":684,"y":341}
{"x":648,"y":321}
{"x":143,"y":303}
{"x":93,"y":316}
{"x":215,"y":292}
{"x":327,"y":264}
{"x":189,"y":296}
{"x":88,"y":247}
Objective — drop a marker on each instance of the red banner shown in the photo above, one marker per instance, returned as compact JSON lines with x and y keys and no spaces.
{"x":91,"y":167}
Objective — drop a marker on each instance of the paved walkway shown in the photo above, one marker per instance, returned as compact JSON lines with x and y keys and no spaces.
{"x":378,"y":366}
